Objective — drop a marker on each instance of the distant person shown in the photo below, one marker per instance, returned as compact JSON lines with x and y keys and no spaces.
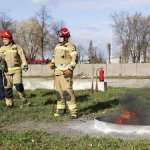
{"x":63,"y":62}
{"x":15,"y":60}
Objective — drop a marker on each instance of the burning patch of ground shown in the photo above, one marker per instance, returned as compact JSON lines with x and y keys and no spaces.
{"x":135,"y":108}
{"x":128,"y":118}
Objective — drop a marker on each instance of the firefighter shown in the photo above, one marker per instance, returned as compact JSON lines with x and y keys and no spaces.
{"x":63,"y":62}
{"x":15,"y":61}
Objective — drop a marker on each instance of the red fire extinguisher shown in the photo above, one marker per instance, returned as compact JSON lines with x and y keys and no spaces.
{"x":100,"y":74}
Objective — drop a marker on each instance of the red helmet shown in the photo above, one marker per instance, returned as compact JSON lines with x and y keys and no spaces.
{"x":64,"y":32}
{"x":6,"y":34}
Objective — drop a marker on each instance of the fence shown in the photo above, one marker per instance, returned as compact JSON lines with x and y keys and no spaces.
{"x":135,"y":69}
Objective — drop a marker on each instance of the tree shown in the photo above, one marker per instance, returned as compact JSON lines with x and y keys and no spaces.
{"x":54,"y":28}
{"x":91,"y":52}
{"x":43,"y":20}
{"x":5,"y":21}
{"x":133,"y":34}
{"x":94,"y":55}
{"x":27,"y":36}
{"x":101,"y":58}
{"x":37,"y":35}
{"x":81,"y":53}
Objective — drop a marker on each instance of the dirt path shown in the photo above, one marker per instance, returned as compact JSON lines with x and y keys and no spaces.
{"x":63,"y":128}
{"x":52,"y":128}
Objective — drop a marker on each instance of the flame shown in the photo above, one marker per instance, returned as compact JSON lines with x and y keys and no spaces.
{"x":127,"y":118}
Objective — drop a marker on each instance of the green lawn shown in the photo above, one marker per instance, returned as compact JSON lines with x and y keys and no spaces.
{"x":42,"y":108}
{"x":89,"y":105}
{"x":35,"y":140}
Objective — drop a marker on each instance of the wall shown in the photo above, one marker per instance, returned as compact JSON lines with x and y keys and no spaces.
{"x":139,"y":69}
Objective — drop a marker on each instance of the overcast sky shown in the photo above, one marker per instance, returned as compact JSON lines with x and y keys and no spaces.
{"x":86,"y":19}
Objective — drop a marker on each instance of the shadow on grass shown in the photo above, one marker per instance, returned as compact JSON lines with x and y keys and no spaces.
{"x":49,"y":93}
{"x":53,"y":100}
{"x":49,"y":102}
{"x":32,"y":95}
{"x":82,"y":98}
{"x":100,"y":106}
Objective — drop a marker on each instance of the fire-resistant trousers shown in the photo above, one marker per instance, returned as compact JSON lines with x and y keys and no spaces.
{"x":65,"y":95}
{"x":13,"y":78}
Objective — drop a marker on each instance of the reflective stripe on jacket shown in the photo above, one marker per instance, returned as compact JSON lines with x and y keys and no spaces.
{"x":14,"y":56}
{"x":65,"y":57}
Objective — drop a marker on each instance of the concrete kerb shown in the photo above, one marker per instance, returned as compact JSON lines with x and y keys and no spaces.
{"x":85,"y":84}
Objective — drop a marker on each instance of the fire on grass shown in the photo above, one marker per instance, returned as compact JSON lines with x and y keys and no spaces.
{"x":128,"y":118}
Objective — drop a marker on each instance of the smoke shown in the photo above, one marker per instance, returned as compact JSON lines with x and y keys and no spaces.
{"x":137,"y":100}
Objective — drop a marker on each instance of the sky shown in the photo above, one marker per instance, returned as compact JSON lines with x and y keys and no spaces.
{"x":86,"y":19}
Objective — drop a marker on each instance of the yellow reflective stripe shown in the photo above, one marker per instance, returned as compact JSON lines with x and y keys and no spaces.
{"x":8,"y":102}
{"x":62,"y":68}
{"x":9,"y":51}
{"x":57,"y":115}
{"x":72,"y":106}
{"x":60,"y":106}
{"x":2,"y":51}
{"x":61,"y":48}
{"x":14,"y":68}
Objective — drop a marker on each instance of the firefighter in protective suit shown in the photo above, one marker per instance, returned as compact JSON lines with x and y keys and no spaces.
{"x":15,"y":61}
{"x":63,"y":62}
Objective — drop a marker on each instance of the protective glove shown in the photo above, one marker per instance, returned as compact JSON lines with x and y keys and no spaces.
{"x":25,"y":68}
{"x":68,"y":73}
{"x":51,"y":65}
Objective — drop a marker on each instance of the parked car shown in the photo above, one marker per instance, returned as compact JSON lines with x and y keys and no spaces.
{"x":37,"y":61}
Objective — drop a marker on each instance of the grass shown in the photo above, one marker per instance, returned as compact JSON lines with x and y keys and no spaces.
{"x":42,"y":108}
{"x":128,"y":77}
{"x":89,"y":105}
{"x":36,"y":140}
